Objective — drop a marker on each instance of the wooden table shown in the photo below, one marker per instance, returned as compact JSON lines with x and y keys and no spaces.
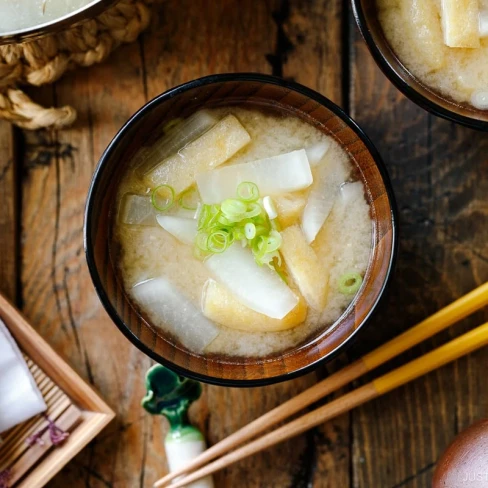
{"x":440,"y":175}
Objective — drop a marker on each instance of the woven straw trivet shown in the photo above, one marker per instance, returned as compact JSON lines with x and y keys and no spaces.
{"x":45,"y":60}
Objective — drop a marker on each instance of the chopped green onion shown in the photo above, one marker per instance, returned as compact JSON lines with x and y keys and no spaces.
{"x":349,"y":283}
{"x":254,"y":210}
{"x":261,"y":230}
{"x":189,"y":199}
{"x":239,"y":233}
{"x":248,"y":192}
{"x":275,"y":225}
{"x":274,"y":241}
{"x":201,"y":241}
{"x":225,"y":221}
{"x":218,"y":242}
{"x":280,"y":274}
{"x":233,"y":209}
{"x":246,"y":219}
{"x":260,"y":248}
{"x":250,"y":231}
{"x":159,"y":200}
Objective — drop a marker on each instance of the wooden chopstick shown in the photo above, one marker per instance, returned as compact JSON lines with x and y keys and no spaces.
{"x":461,"y":346}
{"x":441,"y":320}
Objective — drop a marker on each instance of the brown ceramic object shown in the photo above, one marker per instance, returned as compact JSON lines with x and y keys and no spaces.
{"x":370,"y":27}
{"x":251,"y":90}
{"x":464,"y":464}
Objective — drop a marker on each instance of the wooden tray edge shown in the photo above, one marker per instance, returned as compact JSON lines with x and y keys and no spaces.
{"x":96,"y":413}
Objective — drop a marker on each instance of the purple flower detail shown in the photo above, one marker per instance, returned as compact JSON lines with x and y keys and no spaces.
{"x":36,"y":438}
{"x":56,"y":434}
{"x":5,"y":475}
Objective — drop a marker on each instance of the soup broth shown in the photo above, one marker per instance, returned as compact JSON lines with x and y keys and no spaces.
{"x":442,"y":43}
{"x":241,"y":302}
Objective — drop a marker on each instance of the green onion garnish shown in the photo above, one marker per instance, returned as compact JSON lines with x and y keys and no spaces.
{"x":247,"y":191}
{"x":250,"y":231}
{"x":163,"y":197}
{"x":254,"y":210}
{"x":233,"y":209}
{"x":218,"y":242}
{"x":201,"y":241}
{"x":349,"y":283}
{"x":189,"y":199}
{"x":274,"y":241}
{"x":243,"y":219}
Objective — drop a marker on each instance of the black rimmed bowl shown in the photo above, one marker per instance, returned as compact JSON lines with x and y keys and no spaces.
{"x":90,"y":10}
{"x":248,"y":90}
{"x":367,"y":20}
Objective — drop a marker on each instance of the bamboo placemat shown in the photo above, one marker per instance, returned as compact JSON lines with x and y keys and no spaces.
{"x":27,"y":450}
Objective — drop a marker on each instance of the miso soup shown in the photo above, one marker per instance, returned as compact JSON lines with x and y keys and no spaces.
{"x":241,"y":232}
{"x":443,"y":43}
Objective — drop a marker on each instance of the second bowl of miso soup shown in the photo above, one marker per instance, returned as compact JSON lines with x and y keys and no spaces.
{"x":240,"y":229}
{"x":435,"y":51}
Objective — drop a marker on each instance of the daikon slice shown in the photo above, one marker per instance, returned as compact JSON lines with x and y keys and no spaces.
{"x":20,"y":398}
{"x":483,"y":23}
{"x":275,"y":175}
{"x":317,"y":151}
{"x":137,"y":210}
{"x":210,"y":150}
{"x":309,"y":274}
{"x":270,"y":207}
{"x":329,"y":177}
{"x":350,"y":192}
{"x":479,"y":99}
{"x":183,"y":133}
{"x":290,"y":206}
{"x":163,"y":302}
{"x":221,"y":306}
{"x":185,"y":230}
{"x":351,"y":198}
{"x":460,"y":23}
{"x":257,"y":287}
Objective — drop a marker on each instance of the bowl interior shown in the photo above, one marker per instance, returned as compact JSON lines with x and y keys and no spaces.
{"x":370,"y":27}
{"x":271,"y":94}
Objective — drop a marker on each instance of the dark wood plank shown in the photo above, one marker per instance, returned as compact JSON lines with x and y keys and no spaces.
{"x":313,"y":46}
{"x":8,"y":215}
{"x":439,"y":176}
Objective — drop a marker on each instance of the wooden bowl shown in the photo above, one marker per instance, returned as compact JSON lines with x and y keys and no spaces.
{"x":247,"y":90}
{"x":464,"y":464}
{"x":372,"y":32}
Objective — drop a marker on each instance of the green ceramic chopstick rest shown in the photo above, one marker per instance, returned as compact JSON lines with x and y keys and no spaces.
{"x":171,"y":395}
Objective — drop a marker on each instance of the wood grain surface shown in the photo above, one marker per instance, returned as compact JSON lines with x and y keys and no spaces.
{"x":440,"y":175}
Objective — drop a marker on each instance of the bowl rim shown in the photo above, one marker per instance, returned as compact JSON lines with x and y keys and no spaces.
{"x":397,"y":79}
{"x":93,"y":8}
{"x":89,"y":211}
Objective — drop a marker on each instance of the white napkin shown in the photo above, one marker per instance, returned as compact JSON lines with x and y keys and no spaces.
{"x":20,"y":399}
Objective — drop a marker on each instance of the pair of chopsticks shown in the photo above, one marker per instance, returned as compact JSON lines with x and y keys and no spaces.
{"x":231,"y":453}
